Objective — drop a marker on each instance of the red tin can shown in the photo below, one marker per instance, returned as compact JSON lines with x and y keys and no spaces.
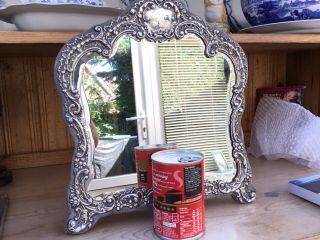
{"x":185,"y":221}
{"x":144,"y":162}
{"x":178,"y":176}
{"x":178,"y":193}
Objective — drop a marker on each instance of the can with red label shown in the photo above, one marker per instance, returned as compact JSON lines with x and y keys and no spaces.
{"x":182,"y":221}
{"x":178,"y":193}
{"x":144,"y":162}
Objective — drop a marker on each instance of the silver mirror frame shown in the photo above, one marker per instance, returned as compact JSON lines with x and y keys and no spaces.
{"x":84,"y":210}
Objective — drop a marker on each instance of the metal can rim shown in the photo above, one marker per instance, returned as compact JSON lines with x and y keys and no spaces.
{"x":176,"y":160}
{"x":156,"y":146}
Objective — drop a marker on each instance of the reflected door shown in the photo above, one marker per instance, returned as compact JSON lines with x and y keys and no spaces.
{"x":108,"y":85}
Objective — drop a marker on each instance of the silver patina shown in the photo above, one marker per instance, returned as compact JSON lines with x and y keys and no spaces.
{"x":154,"y":21}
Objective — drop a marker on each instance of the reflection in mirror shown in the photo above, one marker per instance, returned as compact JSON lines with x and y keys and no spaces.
{"x":194,"y":101}
{"x":196,"y":94}
{"x":108,"y":86}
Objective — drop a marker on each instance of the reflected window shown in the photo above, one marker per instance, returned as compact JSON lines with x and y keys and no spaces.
{"x":109,"y":88}
{"x":196,"y":93}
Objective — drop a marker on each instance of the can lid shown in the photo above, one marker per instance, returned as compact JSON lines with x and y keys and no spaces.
{"x":179,"y":156}
{"x":157,"y":146}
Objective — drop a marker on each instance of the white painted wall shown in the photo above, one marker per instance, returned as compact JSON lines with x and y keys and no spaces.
{"x":197,"y":7}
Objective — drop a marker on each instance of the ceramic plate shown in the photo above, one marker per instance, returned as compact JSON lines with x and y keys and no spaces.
{"x":7,"y":26}
{"x":91,"y":3}
{"x":301,"y":26}
{"x":66,"y":17}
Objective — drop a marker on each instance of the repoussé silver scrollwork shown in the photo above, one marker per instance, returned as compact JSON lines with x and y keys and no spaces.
{"x":175,"y":21}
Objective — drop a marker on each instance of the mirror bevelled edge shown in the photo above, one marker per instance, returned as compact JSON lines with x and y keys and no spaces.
{"x":173,"y":20}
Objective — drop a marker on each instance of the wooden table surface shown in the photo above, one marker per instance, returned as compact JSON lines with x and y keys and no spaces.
{"x":37,"y":209}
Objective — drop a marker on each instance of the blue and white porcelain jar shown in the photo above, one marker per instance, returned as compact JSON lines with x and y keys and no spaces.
{"x":247,"y":13}
{"x":236,"y":18}
{"x":260,"y":12}
{"x":98,"y":3}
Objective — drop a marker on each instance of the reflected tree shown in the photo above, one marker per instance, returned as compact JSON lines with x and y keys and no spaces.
{"x":117,"y":76}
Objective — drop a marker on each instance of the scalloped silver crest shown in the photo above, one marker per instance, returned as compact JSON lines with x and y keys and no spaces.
{"x":139,"y":22}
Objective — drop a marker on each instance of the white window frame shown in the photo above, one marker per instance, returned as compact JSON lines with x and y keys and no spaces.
{"x":146,"y":75}
{"x":146,"y":72}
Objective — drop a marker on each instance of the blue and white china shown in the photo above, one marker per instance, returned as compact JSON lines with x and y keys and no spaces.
{"x":250,"y":13}
{"x":80,"y":2}
{"x":50,"y":15}
{"x":260,"y":12}
{"x":8,"y":27}
{"x":297,"y":27}
{"x":89,"y":3}
{"x":236,"y":17}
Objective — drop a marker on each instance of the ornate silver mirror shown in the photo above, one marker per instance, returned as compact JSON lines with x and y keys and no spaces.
{"x":156,"y":74}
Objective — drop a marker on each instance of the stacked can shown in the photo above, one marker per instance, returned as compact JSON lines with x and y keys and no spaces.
{"x":144,"y":162}
{"x":178,"y":194}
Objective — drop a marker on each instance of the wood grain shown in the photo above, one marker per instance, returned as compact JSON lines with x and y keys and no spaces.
{"x":303,"y":68}
{"x":277,"y":38}
{"x":30,"y":50}
{"x":3,"y":114}
{"x":37,"y":159}
{"x":61,"y":37}
{"x":265,"y":70}
{"x":278,"y":42}
{"x":38,"y":210}
{"x":30,"y":112}
{"x":31,"y":118}
{"x":20,"y":37}
{"x":34,"y":43}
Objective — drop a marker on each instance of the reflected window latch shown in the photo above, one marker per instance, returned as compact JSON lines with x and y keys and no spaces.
{"x":134,"y":119}
{"x":143,"y":124}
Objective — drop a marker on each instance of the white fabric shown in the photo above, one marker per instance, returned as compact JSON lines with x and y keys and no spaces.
{"x":106,"y":154}
{"x":286,"y":130}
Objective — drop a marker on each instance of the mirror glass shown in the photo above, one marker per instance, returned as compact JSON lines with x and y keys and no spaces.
{"x":195,"y":107}
{"x":196,"y":93}
{"x":109,"y":92}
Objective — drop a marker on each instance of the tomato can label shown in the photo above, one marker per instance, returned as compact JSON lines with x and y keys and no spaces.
{"x":144,"y":162}
{"x":178,"y":193}
{"x":186,"y":221}
{"x":178,"y":176}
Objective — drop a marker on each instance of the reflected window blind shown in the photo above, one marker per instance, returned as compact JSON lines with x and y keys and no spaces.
{"x":196,"y":99}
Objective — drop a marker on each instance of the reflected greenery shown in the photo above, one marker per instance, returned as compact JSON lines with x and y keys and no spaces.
{"x":109,"y":111}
